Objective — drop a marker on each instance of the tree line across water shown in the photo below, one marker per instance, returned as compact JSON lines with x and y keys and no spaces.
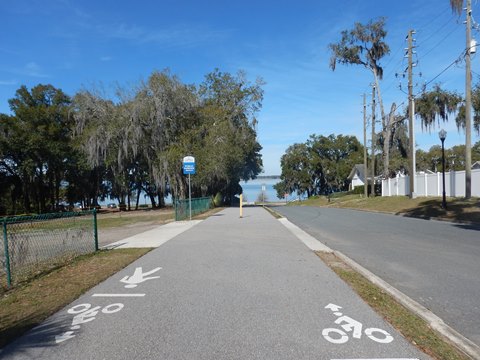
{"x":57,"y":150}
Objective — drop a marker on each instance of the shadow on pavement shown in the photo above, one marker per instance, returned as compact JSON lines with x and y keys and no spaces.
{"x":467,"y":216}
{"x":40,"y":336}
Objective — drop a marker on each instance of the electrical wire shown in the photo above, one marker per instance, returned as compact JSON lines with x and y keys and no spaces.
{"x":435,"y":32}
{"x":438,"y":43}
{"x":456,"y":61}
{"x":400,"y":63}
{"x":426,"y":23}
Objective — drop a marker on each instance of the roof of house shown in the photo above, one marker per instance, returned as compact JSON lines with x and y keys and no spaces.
{"x":358,"y":170}
{"x":476,"y":165}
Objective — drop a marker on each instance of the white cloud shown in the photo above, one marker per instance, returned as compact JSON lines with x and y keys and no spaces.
{"x":8,"y":82}
{"x":33,"y":69}
{"x":30,"y":69}
{"x":181,"y":35}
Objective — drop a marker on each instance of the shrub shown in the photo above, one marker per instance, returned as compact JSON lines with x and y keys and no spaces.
{"x":358,"y":190}
{"x":218,"y":200}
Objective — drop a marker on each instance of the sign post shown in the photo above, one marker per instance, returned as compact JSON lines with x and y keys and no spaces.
{"x":189,"y":169}
{"x":241,"y":204}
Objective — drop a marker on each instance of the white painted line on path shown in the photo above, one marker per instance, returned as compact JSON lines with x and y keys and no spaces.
{"x":118,"y":295}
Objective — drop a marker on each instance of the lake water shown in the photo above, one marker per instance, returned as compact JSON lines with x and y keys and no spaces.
{"x":253,"y":188}
{"x":251,"y":191}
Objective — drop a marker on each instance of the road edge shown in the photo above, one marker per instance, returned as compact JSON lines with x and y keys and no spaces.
{"x":436,"y":323}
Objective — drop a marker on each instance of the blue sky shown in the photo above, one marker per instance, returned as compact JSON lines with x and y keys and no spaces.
{"x":75,"y":44}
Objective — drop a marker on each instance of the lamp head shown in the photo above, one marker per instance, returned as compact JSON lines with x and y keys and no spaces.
{"x":442,"y":134}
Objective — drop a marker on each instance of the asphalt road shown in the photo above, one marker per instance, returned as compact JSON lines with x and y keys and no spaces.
{"x":435,"y":263}
{"x":228,"y":288}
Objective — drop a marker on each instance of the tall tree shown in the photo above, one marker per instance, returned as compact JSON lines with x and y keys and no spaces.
{"x":96,"y":133}
{"x":364,"y":45}
{"x":37,"y":144}
{"x":168,"y":108}
{"x":320,"y":165}
{"x":435,"y":106}
{"x":296,"y":171}
{"x":333,"y":157}
{"x":229,"y":106}
{"x":142,"y":137}
{"x":460,"y":119}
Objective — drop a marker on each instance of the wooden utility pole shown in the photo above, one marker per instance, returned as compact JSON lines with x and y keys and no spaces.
{"x":411,"y":113}
{"x":365,"y":171}
{"x":372,"y":192}
{"x":468,"y":106}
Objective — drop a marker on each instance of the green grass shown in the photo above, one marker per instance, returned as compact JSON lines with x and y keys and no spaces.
{"x":272,"y":212}
{"x":123,"y":219}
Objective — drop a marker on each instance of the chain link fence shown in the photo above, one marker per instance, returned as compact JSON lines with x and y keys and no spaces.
{"x":199,"y":205}
{"x":34,"y":244}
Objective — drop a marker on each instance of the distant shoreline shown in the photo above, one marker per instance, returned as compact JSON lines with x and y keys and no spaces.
{"x":268,"y":177}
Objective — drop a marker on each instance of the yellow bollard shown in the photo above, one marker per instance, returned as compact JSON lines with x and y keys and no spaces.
{"x":241,"y":203}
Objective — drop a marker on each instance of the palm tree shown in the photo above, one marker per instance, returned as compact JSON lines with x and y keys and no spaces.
{"x":456,"y":6}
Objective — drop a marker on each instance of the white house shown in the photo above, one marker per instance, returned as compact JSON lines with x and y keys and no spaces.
{"x":357,"y":176}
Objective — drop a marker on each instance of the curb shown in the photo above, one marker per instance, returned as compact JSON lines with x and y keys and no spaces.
{"x":458,"y":340}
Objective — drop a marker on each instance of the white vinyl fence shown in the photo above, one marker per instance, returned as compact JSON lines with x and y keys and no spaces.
{"x":431,"y":184}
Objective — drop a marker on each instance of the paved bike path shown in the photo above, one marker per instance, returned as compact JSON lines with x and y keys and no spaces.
{"x":227,"y":288}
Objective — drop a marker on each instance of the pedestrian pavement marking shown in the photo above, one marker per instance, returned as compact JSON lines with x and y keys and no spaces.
{"x":139,"y":277}
{"x":118,"y":295}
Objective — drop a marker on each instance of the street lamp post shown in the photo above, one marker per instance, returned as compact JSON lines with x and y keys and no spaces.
{"x":442,"y":134}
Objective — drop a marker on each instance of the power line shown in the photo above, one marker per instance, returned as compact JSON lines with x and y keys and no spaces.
{"x":438,"y":43}
{"x":456,"y":61}
{"x":426,"y":23}
{"x":394,"y":55}
{"x":435,"y":32}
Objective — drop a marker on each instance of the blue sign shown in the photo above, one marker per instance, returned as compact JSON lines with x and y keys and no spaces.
{"x":188,"y":165}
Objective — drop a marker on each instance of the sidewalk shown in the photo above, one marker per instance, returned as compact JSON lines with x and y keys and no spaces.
{"x":226,"y":288}
{"x":155,"y":237}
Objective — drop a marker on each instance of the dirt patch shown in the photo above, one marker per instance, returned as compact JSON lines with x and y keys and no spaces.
{"x":332,"y":260}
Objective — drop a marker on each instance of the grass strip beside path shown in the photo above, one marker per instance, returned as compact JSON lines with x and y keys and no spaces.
{"x":125,"y":218}
{"x":412,"y":327}
{"x":28,"y":304}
